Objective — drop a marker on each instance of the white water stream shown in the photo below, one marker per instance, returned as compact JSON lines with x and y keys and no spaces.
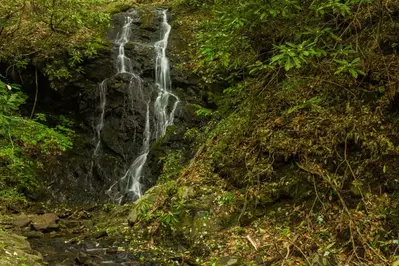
{"x":164,"y":106}
{"x":100,"y":124}
{"x":162,"y":79}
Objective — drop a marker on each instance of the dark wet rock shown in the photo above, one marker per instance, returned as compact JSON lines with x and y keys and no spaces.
{"x":40,"y":211}
{"x":70,"y":223}
{"x":100,"y":234}
{"x":33,"y":234}
{"x":111,"y":251}
{"x":78,"y":230}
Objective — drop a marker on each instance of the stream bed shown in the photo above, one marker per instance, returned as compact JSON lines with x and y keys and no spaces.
{"x":62,"y":251}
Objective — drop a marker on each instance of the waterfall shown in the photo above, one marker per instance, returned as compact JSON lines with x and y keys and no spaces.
{"x":163,"y":119}
{"x":100,"y":124}
{"x":123,"y":66}
{"x":134,"y":174}
{"x":123,"y":62}
{"x":164,"y":108}
{"x":102,"y":91}
{"x":163,"y":82}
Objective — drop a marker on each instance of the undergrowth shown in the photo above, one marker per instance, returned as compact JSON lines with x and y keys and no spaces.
{"x":304,"y":133}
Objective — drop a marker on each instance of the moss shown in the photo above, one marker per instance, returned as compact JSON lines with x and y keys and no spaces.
{"x":16,"y":250}
{"x":151,"y":200}
{"x":147,"y":15}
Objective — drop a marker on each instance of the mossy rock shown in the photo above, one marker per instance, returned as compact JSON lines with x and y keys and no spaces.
{"x":16,"y":250}
{"x":198,"y":221}
{"x":156,"y":195}
{"x":185,"y":192}
{"x":229,"y":261}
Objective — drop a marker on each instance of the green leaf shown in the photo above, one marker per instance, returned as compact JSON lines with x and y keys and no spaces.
{"x":361,"y":72}
{"x":353,"y":73}
{"x":277,"y":58}
{"x":342,"y":62}
{"x":330,"y":245}
{"x":395,"y":263}
{"x":288,"y":64}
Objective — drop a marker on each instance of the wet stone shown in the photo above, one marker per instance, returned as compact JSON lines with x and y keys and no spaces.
{"x":33,"y":234}
{"x":22,"y":221}
{"x":71,"y":223}
{"x":45,"y":222}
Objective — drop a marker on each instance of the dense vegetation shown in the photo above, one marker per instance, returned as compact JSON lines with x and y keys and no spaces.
{"x":42,"y":32}
{"x":49,"y":38}
{"x":36,"y":34}
{"x":25,"y":145}
{"x":301,"y":151}
{"x":297,"y":163}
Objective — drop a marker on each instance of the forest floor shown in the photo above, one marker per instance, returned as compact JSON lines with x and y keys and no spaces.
{"x":66,"y":236}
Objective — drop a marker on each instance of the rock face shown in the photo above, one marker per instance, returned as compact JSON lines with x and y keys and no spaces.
{"x":91,"y":170}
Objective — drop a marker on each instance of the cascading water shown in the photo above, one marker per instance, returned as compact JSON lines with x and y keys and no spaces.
{"x":134,"y":174}
{"x":123,"y":65}
{"x":129,"y":186}
{"x":100,"y":124}
{"x":102,"y":91}
{"x":163,"y":82}
{"x":123,"y":62}
{"x":163,"y":119}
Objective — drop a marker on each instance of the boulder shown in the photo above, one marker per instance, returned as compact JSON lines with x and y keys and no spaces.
{"x":22,"y":220}
{"x":45,"y":222}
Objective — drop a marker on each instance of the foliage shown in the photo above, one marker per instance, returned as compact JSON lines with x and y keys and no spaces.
{"x":349,"y":67}
{"x":228,"y":198}
{"x":306,"y":96}
{"x":172,"y":165}
{"x":294,"y":55}
{"x":42,"y":32}
{"x":193,"y":4}
{"x":25,"y":144}
{"x":153,"y":211}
